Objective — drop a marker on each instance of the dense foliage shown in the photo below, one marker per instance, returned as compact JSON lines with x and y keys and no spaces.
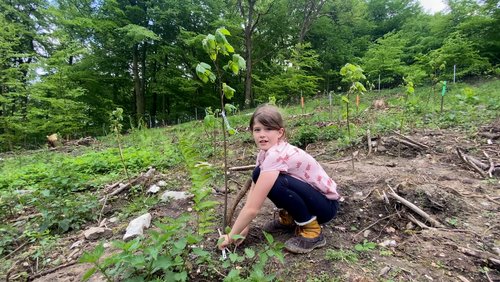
{"x":65,"y":65}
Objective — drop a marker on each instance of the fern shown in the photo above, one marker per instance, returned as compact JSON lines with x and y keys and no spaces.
{"x":200,"y":176}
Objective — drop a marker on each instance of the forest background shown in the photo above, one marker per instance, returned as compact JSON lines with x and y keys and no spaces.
{"x":66,"y":64}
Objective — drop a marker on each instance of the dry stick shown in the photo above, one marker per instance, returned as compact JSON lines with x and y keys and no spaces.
{"x":420,"y":212}
{"x":471,"y":164}
{"x":146,"y":175}
{"x":423,"y":146}
{"x":369,"y":138}
{"x":14,"y":251}
{"x":488,"y":276}
{"x":237,"y":200}
{"x":492,"y":164}
{"x":43,"y":273}
{"x":242,"y":168}
{"x":408,"y":143}
{"x":489,"y":257}
{"x":417,"y":222}
{"x":369,"y":226}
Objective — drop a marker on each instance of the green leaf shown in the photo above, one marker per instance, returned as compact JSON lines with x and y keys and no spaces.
{"x":240,"y":61}
{"x":181,"y":244}
{"x":93,"y":256}
{"x":162,"y":262}
{"x":228,"y":91}
{"x":237,"y":237}
{"x":224,"y":31}
{"x":269,"y":237}
{"x":88,"y":274}
{"x":249,"y":253}
{"x":345,"y":99}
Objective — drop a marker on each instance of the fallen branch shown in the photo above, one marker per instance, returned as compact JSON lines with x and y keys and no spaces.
{"x":43,"y":273}
{"x":466,"y":160}
{"x":143,"y":177}
{"x":417,"y":222}
{"x":415,"y":143}
{"x":486,"y":256}
{"x":14,"y":251}
{"x":242,"y":168}
{"x":408,"y":143}
{"x":420,"y":212}
{"x":237,"y":200}
{"x":492,"y":164}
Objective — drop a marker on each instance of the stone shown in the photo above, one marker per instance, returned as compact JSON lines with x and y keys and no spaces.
{"x":175,"y":195}
{"x":136,"y":227}
{"x":94,"y":233}
{"x":153,"y":189}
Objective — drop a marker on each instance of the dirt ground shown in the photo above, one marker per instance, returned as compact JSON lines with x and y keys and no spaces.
{"x":462,"y":245}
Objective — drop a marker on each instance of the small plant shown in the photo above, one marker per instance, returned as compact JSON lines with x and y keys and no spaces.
{"x":452,"y":221}
{"x":305,"y":136}
{"x":341,"y":255}
{"x":366,"y":246}
{"x":258,"y":260}
{"x":116,"y":127}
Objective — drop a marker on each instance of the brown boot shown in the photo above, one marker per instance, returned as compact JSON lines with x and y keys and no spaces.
{"x":308,"y":238}
{"x":284,"y":223}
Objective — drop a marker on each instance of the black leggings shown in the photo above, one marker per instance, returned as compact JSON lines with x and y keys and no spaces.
{"x":301,"y":200}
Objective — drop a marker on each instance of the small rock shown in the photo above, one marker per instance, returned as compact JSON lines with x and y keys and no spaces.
{"x":367,"y":233}
{"x":175,"y":195}
{"x":153,"y":189}
{"x":190,"y":209}
{"x":384,"y":271}
{"x":410,"y":225}
{"x":161,"y":183}
{"x":388,"y":243}
{"x":113,"y":219}
{"x":136,"y":226}
{"x":390,"y":230}
{"x":94,"y":233}
{"x":497,"y":250}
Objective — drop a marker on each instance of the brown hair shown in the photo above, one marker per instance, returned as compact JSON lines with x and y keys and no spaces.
{"x":269,"y":116}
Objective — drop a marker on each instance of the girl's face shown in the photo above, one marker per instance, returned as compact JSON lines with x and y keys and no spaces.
{"x":266,"y":137}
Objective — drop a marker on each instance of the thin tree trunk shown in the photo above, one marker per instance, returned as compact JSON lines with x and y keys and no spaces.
{"x":311,"y":13}
{"x":139,"y":95}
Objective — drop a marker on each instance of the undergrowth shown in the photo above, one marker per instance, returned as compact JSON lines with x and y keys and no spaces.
{"x":57,"y":191}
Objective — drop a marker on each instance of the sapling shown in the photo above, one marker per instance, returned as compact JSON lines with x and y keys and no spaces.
{"x":116,"y":127}
{"x":216,"y":45}
{"x":352,"y":74}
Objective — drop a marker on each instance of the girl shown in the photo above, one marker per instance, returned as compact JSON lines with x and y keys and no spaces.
{"x":293,"y":180}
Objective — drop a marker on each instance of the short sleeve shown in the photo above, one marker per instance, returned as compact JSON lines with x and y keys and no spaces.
{"x":273,"y":162}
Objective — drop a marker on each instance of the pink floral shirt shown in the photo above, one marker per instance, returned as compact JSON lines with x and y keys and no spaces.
{"x":295,"y":162}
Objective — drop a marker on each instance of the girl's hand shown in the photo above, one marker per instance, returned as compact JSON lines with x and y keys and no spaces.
{"x":225,"y":241}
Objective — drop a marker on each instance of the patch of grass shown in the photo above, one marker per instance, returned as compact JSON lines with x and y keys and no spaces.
{"x":346,"y":256}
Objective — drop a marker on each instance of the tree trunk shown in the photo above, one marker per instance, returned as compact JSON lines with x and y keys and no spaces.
{"x":139,"y":95}
{"x":248,"y":74}
{"x":311,"y":13}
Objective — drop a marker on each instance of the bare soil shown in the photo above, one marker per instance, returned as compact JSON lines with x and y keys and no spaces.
{"x":465,"y":248}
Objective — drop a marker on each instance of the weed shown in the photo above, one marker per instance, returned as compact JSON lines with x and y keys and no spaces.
{"x":341,"y":255}
{"x":366,"y":246}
